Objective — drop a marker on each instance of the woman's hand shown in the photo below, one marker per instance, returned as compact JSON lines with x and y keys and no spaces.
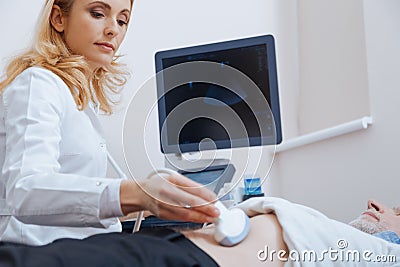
{"x":174,"y":197}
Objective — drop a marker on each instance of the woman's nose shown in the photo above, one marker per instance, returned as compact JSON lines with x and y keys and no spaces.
{"x":111,"y":28}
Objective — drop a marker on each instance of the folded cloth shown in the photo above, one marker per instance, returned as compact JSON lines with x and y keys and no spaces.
{"x":316,"y":240}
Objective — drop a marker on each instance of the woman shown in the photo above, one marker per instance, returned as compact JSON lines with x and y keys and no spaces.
{"x":54,"y":168}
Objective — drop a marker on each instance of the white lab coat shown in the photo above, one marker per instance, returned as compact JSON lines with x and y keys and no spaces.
{"x":54,"y":162}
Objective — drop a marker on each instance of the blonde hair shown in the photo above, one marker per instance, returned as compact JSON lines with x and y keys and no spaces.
{"x":50,"y":51}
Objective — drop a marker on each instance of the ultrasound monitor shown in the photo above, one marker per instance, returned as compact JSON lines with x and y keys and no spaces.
{"x":218,"y":96}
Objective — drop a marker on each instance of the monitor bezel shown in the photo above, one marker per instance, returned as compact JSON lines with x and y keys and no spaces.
{"x":267,"y":40}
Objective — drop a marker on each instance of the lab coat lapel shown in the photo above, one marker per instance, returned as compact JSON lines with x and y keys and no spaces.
{"x":92,"y":114}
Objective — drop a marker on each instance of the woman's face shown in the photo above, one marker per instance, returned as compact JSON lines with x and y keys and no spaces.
{"x":95,"y":29}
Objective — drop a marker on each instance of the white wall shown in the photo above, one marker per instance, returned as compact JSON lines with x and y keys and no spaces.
{"x":338,"y":176}
{"x":332,"y":63}
{"x":16,"y":26}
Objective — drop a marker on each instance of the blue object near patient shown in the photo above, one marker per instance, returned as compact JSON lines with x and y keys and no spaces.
{"x":389,"y":236}
{"x":252,"y":186}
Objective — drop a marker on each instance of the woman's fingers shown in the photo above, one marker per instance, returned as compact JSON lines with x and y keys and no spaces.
{"x":185,"y":214}
{"x":192,"y":187}
{"x":189,"y":201}
{"x":178,"y":198}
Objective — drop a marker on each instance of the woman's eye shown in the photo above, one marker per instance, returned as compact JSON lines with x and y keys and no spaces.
{"x":122,"y":22}
{"x":96,"y":14}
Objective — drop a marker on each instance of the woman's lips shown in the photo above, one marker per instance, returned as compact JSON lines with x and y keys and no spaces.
{"x":106,"y":46}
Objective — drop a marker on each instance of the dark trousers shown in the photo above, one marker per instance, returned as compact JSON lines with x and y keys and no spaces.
{"x":151,"y":247}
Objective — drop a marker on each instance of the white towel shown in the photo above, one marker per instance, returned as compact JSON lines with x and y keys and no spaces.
{"x":322,"y":241}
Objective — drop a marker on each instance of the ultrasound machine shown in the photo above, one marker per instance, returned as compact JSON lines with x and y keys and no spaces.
{"x":216,"y":96}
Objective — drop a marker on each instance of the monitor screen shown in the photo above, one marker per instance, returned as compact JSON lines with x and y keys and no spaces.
{"x":218,"y":96}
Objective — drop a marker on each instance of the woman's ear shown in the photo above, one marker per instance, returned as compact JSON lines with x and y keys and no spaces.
{"x":56,"y":19}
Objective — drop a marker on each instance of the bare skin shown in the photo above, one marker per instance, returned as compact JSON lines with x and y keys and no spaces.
{"x":265,"y":230}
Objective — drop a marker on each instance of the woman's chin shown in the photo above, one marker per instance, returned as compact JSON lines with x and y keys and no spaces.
{"x":98,"y":64}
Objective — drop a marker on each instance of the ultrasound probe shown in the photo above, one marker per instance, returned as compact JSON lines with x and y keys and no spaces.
{"x":232,"y":225}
